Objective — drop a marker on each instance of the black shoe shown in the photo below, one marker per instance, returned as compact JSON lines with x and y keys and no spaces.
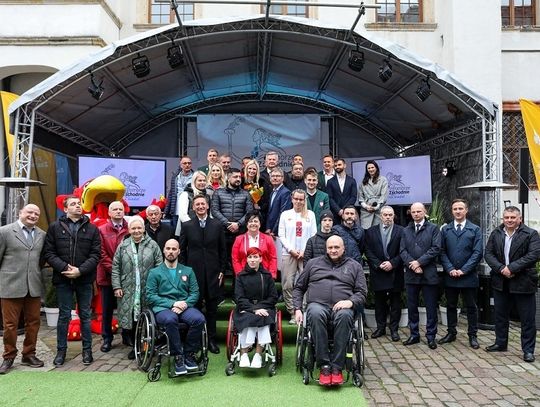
{"x":411,"y":340}
{"x":212,"y":347}
{"x":496,"y":348}
{"x":106,"y":346}
{"x":432,"y":344}
{"x":190,"y":362}
{"x":395,"y":336}
{"x":60,"y":358}
{"x":87,"y":357}
{"x":474,"y":342}
{"x":127,"y":341}
{"x":32,"y":361}
{"x":6,"y":365}
{"x":179,"y":366}
{"x":131,"y":354}
{"x":447,"y":338}
{"x":378,"y":333}
{"x":528,"y":357}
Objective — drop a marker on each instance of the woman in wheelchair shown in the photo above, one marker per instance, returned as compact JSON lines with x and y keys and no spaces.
{"x":256,"y":298}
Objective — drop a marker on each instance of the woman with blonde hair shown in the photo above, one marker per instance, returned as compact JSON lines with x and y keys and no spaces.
{"x":216,"y":176}
{"x":198,"y":186}
{"x":253,"y":183}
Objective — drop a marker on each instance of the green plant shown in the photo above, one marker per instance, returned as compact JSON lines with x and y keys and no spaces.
{"x":51,"y":301}
{"x":436,"y":211}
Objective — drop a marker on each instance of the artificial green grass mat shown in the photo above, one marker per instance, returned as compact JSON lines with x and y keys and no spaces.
{"x":246,"y":387}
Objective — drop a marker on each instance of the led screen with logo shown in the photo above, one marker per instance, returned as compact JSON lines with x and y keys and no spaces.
{"x":144,"y":179}
{"x":409,"y":179}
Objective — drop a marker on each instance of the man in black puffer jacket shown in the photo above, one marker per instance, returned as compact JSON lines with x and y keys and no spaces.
{"x":73,"y":249}
{"x":335,"y":286}
{"x":230,"y":206}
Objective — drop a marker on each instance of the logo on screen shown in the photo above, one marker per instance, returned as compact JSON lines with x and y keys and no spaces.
{"x":130,"y":182}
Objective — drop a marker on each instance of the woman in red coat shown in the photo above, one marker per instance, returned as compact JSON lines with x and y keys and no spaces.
{"x":254,"y":238}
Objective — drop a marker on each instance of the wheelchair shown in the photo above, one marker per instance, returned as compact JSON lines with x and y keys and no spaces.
{"x":354,"y":360}
{"x":151,"y":340}
{"x":271,"y":359}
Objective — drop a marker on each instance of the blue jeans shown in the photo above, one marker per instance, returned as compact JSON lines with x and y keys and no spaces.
{"x":171,"y":320}
{"x":83,"y":294}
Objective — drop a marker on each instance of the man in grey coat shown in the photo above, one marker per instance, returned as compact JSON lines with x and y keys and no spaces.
{"x":20,"y":285}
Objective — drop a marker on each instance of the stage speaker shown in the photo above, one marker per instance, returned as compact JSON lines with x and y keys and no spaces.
{"x":523,"y":196}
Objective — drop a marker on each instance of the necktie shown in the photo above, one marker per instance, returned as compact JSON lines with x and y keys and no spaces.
{"x":29,"y":237}
{"x":118,"y":227}
{"x":418,"y":227}
{"x":385,"y":240}
{"x":202,"y":222}
{"x":458,"y":227}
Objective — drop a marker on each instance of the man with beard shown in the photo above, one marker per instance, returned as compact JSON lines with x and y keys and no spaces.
{"x":351,"y":233}
{"x":296,"y":178}
{"x":172,"y":292}
{"x":341,"y":189}
{"x":230,"y":206}
{"x":334,"y":286}
{"x":202,"y":244}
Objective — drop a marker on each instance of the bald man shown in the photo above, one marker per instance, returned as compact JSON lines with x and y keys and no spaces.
{"x":335,"y":286}
{"x":20,"y":285}
{"x":419,"y":249}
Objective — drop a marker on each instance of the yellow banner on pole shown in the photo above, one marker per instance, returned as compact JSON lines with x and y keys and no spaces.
{"x":6,"y":99}
{"x":530,"y":112}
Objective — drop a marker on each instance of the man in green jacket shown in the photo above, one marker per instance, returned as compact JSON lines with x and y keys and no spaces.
{"x":171,"y":293}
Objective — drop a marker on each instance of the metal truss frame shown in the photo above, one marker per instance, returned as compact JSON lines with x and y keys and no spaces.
{"x":29,"y":116}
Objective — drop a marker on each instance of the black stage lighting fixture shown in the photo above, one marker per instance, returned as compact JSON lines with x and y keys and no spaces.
{"x":140,"y":65}
{"x":356,"y":59}
{"x":385,"y":71}
{"x":95,"y":89}
{"x":449,"y":169}
{"x":424,"y":89}
{"x":175,"y":56}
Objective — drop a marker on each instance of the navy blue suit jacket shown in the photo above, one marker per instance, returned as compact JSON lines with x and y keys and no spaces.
{"x":282,"y":202}
{"x":338,"y":199}
{"x":424,"y":247}
{"x":461,"y":251}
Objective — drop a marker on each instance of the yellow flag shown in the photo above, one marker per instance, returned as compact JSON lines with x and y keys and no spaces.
{"x":531,"y":119}
{"x":6,"y":98}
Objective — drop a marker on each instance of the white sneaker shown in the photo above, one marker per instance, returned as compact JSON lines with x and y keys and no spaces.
{"x":256,"y":363}
{"x":244,"y":360}
{"x":292,"y":321}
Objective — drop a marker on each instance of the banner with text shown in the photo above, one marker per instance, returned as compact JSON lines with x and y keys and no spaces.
{"x":255,"y":135}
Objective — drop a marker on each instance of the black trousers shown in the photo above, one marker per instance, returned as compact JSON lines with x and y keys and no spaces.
{"x":526,"y":308}
{"x":430,"y":293}
{"x":108,"y":304}
{"x":388,"y":303}
{"x":469,"y":299}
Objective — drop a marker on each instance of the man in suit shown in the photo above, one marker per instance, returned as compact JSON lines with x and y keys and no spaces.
{"x":461,"y":252}
{"x":341,"y":189}
{"x":317,"y":200}
{"x":271,"y":161}
{"x":180,"y":179}
{"x":20,"y":285}
{"x":172,"y":292}
{"x":386,"y":271}
{"x":512,"y":251}
{"x":420,"y":248}
{"x":278,"y":201}
{"x":73,"y":249}
{"x":202,"y":243}
{"x":327,"y":172}
{"x":111,"y":233}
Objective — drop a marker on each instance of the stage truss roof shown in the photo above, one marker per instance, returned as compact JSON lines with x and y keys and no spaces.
{"x":274,"y":59}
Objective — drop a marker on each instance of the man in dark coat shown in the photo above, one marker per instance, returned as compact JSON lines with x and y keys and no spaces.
{"x":73,"y":249}
{"x":202,"y":244}
{"x":386,"y":271}
{"x":461,"y":253}
{"x":157,"y":230}
{"x":420,"y":248}
{"x":341,"y":189}
{"x":316,"y":245}
{"x":512,"y":251}
{"x":278,"y":200}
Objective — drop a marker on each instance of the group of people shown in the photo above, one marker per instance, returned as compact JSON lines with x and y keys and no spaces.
{"x":249,"y":223}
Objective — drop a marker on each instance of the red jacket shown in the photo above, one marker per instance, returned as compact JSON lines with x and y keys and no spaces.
{"x":110,"y":239}
{"x":267,"y":247}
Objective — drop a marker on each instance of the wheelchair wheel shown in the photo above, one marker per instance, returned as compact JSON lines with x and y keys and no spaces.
{"x":232,"y":337}
{"x":358,"y":380}
{"x":305,"y":376}
{"x":145,"y":340}
{"x":279,"y":340}
{"x":272,"y":369}
{"x":300,"y":348}
{"x":154,"y":374}
{"x":229,"y":370}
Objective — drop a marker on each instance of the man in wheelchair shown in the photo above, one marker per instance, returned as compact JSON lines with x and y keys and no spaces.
{"x":334,"y":286}
{"x":172,"y":292}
